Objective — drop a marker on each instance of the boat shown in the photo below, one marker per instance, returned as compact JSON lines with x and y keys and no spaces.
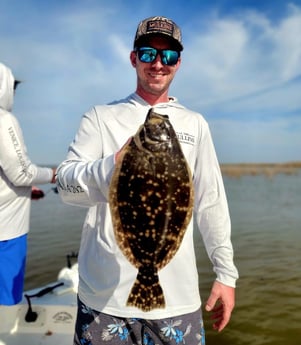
{"x":46,"y":315}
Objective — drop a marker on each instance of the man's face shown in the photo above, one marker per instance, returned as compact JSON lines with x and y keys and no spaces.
{"x":154,"y":77}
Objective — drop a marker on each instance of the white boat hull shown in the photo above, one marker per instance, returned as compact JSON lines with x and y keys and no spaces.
{"x":55,"y":314}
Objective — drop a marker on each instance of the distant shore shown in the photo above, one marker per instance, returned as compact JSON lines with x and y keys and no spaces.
{"x":254,"y":169}
{"x":237,"y":170}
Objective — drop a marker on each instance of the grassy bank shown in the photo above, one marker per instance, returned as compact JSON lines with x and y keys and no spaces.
{"x":254,"y":169}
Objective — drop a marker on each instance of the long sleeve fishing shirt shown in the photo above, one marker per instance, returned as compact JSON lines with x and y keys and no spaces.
{"x":105,"y":275}
{"x":17,"y":172}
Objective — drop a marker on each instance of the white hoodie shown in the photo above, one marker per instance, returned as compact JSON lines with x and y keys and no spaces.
{"x":17,"y":172}
{"x":106,"y":276}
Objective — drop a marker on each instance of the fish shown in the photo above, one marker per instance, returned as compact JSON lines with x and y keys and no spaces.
{"x":151,"y":201}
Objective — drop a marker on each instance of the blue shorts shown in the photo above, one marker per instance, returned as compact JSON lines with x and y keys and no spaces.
{"x":12,"y":269}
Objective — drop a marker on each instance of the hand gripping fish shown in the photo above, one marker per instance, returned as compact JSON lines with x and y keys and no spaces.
{"x":151,"y":202}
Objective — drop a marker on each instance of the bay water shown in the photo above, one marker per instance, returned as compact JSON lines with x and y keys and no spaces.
{"x":266,"y":235}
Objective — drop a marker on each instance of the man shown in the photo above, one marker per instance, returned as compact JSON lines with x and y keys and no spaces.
{"x":18,"y":175}
{"x":106,"y":276}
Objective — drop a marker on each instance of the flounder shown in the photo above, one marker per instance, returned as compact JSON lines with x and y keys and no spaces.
{"x":151,"y":201}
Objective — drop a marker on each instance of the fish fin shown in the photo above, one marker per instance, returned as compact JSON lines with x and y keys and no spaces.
{"x":146,"y":293}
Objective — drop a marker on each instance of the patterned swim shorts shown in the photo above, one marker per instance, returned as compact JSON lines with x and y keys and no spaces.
{"x":95,"y":328}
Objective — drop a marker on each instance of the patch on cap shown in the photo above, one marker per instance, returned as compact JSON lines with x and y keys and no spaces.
{"x":160,"y":26}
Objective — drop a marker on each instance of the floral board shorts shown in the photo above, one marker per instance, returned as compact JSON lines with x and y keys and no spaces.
{"x":95,"y":328}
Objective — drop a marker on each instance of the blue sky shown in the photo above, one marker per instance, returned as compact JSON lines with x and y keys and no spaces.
{"x":241,"y":68}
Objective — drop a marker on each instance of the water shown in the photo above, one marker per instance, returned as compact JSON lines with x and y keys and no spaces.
{"x":266,"y":234}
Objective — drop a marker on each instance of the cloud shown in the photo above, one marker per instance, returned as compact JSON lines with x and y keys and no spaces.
{"x":241,"y":69}
{"x":240,"y":56}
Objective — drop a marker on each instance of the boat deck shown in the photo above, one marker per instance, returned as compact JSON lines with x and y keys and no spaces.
{"x":51,"y":318}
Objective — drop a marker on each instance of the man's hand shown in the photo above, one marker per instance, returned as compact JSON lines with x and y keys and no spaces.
{"x":53,"y":175}
{"x":221,"y":303}
{"x":36,"y":193}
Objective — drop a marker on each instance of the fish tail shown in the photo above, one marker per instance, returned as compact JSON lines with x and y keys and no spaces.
{"x":146,"y":293}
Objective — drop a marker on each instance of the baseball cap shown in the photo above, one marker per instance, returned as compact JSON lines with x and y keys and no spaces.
{"x":159,"y":26}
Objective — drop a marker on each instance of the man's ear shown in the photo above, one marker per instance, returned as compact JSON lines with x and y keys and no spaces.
{"x":133,"y":58}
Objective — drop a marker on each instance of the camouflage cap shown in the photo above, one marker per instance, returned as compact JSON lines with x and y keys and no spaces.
{"x":161,"y":26}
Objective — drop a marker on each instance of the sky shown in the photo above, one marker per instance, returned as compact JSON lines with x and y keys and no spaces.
{"x":241,"y":69}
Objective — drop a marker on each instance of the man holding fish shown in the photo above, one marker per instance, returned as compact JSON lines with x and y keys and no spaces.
{"x":147,"y":169}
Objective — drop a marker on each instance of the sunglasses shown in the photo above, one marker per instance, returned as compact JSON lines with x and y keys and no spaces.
{"x":149,"y":54}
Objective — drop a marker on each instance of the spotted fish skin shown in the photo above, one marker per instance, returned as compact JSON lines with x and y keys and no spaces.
{"x":151,"y":202}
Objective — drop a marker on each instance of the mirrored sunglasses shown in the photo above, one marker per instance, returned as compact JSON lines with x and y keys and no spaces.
{"x":148,"y":54}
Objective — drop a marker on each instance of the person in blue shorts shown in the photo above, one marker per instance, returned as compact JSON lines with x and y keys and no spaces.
{"x":18,"y":177}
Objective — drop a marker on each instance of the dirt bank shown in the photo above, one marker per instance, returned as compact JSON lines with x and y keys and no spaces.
{"x":267,"y":169}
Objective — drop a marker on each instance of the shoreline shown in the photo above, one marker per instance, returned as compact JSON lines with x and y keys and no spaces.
{"x":237,"y":170}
